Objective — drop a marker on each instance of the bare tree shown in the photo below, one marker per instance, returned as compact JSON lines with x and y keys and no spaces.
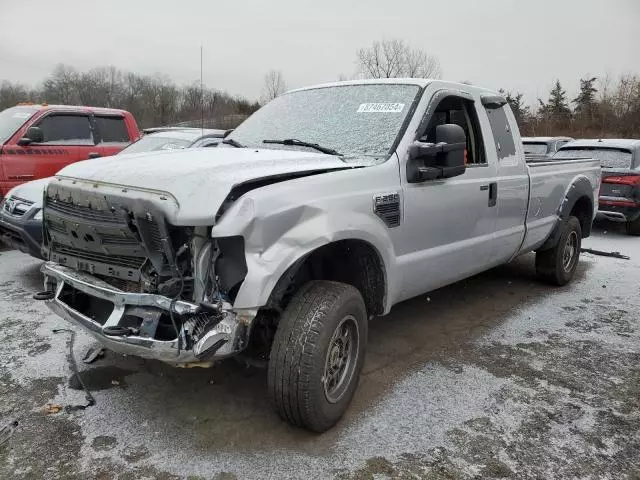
{"x":273,"y":85}
{"x":12,"y":93}
{"x":382,"y":59}
{"x":61,"y":85}
{"x":394,"y":58}
{"x":419,"y":64}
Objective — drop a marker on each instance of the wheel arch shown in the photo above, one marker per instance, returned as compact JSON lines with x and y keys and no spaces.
{"x":577,"y":201}
{"x":353,"y":261}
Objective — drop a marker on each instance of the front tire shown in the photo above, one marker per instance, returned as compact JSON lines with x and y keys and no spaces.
{"x":317,"y":354}
{"x":558,"y":265}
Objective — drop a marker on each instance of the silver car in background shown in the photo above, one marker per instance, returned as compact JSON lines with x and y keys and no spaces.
{"x":543,"y":146}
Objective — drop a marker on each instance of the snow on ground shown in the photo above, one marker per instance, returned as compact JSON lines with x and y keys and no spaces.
{"x":496,"y":376}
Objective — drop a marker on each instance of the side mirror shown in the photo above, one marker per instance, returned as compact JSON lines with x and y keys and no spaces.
{"x":33,"y":135}
{"x":443,"y":159}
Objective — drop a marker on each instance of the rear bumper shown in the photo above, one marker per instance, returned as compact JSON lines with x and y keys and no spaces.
{"x":618,"y":209}
{"x":22,"y":233}
{"x":227,"y":338}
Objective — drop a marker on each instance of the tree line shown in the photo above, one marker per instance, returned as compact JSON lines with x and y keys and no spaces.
{"x":604,"y":107}
{"x":153,"y":100}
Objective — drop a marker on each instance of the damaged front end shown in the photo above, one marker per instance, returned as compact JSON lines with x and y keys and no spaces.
{"x":138,"y":284}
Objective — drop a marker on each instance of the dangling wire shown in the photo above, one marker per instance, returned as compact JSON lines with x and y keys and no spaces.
{"x":74,"y":368}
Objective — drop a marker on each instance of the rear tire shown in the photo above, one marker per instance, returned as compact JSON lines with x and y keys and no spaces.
{"x":633,"y":228}
{"x":317,"y":354}
{"x":558,"y":265}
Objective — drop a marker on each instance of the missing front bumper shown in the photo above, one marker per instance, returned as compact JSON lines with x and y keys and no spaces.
{"x":103,"y":308}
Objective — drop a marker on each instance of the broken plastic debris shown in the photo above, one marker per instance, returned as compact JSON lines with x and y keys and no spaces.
{"x":93,"y":353}
{"x":52,"y":408}
{"x":6,"y":432}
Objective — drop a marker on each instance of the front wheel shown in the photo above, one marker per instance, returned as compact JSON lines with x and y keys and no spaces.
{"x":558,"y":265}
{"x":317,"y":354}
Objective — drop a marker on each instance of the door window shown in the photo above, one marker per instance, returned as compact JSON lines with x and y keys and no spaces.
{"x":112,"y":129}
{"x":66,"y":130}
{"x":502,"y":135}
{"x":459,"y":111}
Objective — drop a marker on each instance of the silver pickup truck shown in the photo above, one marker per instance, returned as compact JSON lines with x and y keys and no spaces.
{"x":325,"y":208}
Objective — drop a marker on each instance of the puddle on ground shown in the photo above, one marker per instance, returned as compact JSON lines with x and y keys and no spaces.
{"x":100,"y":378}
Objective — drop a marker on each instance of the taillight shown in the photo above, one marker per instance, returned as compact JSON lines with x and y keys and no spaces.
{"x":623,"y":180}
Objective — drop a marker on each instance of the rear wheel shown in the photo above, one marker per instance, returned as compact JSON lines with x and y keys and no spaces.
{"x":633,"y":228}
{"x":558,"y":265}
{"x":317,"y":354}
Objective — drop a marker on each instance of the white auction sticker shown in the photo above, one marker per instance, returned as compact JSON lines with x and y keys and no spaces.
{"x":380,"y":107}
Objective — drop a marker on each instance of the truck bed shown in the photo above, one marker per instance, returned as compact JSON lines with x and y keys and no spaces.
{"x":548,"y":180}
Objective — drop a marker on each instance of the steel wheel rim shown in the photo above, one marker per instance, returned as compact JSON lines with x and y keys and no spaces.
{"x":341,"y":359}
{"x":569,"y":254}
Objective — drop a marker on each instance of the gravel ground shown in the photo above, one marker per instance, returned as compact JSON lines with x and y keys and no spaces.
{"x":494,"y":377}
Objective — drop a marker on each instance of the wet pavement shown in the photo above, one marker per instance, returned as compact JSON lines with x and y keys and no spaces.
{"x":497,"y":376}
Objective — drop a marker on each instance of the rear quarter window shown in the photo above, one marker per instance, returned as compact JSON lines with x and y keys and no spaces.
{"x":112,"y":129}
{"x":502,"y":134}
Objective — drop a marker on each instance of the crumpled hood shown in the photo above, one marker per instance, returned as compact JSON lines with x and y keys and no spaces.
{"x":200,"y":179}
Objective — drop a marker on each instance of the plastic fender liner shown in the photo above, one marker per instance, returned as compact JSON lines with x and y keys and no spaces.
{"x":231,"y":264}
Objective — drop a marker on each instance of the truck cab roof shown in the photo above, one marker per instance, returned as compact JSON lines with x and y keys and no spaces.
{"x":74,"y":108}
{"x":420,"y":82}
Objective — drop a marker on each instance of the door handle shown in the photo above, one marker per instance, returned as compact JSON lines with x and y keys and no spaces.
{"x":493,"y":194}
{"x":484,"y":187}
{"x":93,"y":155}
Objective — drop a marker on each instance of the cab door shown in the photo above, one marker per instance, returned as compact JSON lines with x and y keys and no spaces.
{"x":512,"y":183}
{"x":449,"y":223}
{"x":70,"y":134}
{"x":67,"y":138}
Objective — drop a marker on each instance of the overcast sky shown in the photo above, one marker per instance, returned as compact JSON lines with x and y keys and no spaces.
{"x":521,"y":45}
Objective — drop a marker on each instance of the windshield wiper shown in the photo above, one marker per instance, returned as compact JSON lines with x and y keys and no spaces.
{"x":233,"y":143}
{"x":300,"y":143}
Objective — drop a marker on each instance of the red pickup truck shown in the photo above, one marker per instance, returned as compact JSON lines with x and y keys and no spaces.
{"x":38,"y":140}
